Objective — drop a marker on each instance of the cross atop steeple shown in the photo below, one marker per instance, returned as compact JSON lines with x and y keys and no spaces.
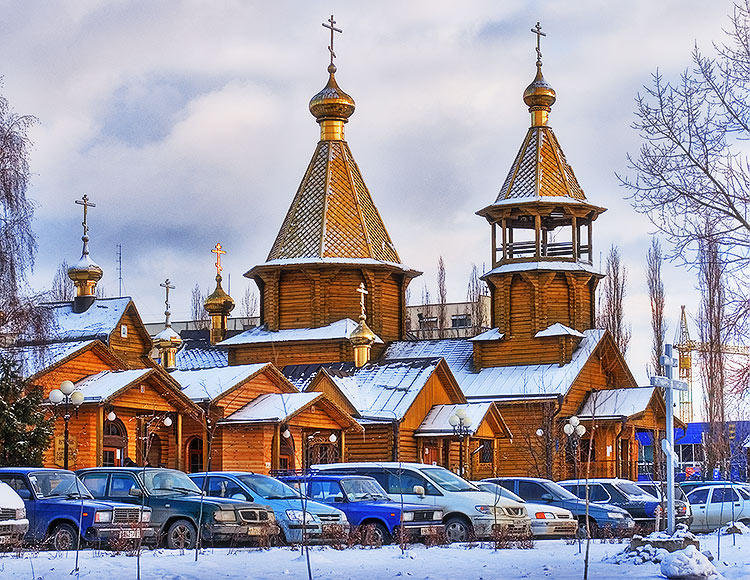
{"x":362,"y":293}
{"x":331,"y":25}
{"x":84,"y":201}
{"x":218,"y":251}
{"x":538,"y":31}
{"x":167,"y":285}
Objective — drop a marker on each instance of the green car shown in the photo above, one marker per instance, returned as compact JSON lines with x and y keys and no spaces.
{"x":178,"y":507}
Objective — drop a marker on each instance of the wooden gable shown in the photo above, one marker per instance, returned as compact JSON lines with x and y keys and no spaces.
{"x":441,"y":388}
{"x":266,"y":380}
{"x":323,"y":383}
{"x":154,"y":391}
{"x":133,"y":344}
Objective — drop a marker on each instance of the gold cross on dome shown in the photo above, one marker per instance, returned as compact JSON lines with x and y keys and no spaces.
{"x":167,"y":285}
{"x":84,"y":201}
{"x":218,"y":251}
{"x":538,"y":31}
{"x":362,"y":292}
{"x":331,"y":23}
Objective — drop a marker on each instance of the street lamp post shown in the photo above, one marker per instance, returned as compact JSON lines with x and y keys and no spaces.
{"x":71,"y":398}
{"x":574,"y":429}
{"x":460,"y":422}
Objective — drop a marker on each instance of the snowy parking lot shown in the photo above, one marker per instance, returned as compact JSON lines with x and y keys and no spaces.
{"x":548,"y":559}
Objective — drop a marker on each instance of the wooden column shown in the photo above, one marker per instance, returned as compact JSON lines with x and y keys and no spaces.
{"x":493,"y":236}
{"x":537,"y":234}
{"x":342,"y":438}
{"x":205,"y":447}
{"x":178,"y":443}
{"x":100,"y":436}
{"x":276,"y":446}
{"x":574,"y":238}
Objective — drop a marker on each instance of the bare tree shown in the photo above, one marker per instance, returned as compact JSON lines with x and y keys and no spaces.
{"x":62,"y":286}
{"x":442,"y":298}
{"x":197,"y":312}
{"x":654,"y":260}
{"x":17,"y":241}
{"x":474,"y":292}
{"x":711,"y":329}
{"x":610,"y":315}
{"x":693,"y":165}
{"x":249,"y":303}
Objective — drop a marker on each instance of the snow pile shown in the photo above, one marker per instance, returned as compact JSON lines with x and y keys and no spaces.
{"x":688,"y":564}
{"x":735,"y":528}
{"x":652,"y":548}
{"x":639,"y":555}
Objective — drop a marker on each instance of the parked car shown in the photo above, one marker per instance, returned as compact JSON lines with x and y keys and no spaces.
{"x":467,"y":511}
{"x":62,"y":511}
{"x":13,"y":522}
{"x":545,"y":491}
{"x":289,"y":506}
{"x":547,"y":520}
{"x":643,"y":507}
{"x":715,"y":505}
{"x":178,"y":505}
{"x":365,"y":502}
{"x":655,"y":488}
{"x":688,"y":486}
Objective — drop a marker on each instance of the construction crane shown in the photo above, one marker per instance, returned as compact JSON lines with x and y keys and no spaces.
{"x":685,"y":347}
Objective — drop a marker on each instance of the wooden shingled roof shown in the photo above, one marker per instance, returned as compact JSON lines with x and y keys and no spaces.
{"x":332,"y":214}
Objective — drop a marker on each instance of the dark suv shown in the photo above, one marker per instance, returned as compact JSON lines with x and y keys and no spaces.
{"x":178,"y":505}
{"x":61,"y":510}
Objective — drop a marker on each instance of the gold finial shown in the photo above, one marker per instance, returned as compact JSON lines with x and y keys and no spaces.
{"x":218,"y":251}
{"x":331,"y":23}
{"x":167,"y":285}
{"x":362,"y":293}
{"x":538,"y":31}
{"x":539,"y":95}
{"x":86,"y":273}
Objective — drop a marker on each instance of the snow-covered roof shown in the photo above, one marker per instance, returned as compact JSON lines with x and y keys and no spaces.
{"x":491,"y":334}
{"x":276,"y":407}
{"x":104,"y":384}
{"x":302,"y":375}
{"x":168,"y":333}
{"x":385,"y":390}
{"x":318,"y":260}
{"x":558,"y":329}
{"x":208,"y":384}
{"x":554,"y":199}
{"x":338,"y":330}
{"x":188,"y":359}
{"x":35,"y":359}
{"x":457,"y":352}
{"x":543,"y":265}
{"x":614,"y":403}
{"x":436,"y":422}
{"x":98,"y":321}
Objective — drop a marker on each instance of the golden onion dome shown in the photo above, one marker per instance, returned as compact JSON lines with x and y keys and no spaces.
{"x":362,"y":334}
{"x":167,"y":338}
{"x":85,"y":269}
{"x":539,"y":94}
{"x":219,"y":301}
{"x":332,"y":102}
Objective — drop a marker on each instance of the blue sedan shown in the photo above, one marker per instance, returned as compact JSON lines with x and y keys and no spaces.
{"x":294,"y":512}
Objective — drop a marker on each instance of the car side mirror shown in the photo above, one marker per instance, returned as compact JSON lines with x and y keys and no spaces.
{"x":135,"y":492}
{"x":547,"y":497}
{"x":241,"y":496}
{"x":338,"y":499}
{"x":24,"y":494}
{"x":419,"y":490}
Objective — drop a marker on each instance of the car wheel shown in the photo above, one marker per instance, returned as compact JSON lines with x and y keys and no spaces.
{"x":64,"y":537}
{"x":181,"y":535}
{"x":457,"y":530}
{"x":380,"y":535}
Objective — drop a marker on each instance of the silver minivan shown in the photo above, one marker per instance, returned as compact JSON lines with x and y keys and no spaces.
{"x":467,"y":511}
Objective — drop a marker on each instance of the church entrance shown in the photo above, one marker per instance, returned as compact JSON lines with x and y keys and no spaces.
{"x":114,"y":444}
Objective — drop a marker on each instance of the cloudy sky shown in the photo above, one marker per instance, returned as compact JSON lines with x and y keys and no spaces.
{"x":187,"y":124}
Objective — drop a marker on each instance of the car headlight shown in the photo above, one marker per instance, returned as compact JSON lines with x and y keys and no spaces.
{"x":544,"y":516}
{"x":299,"y":516}
{"x":225,"y":516}
{"x":437,"y":515}
{"x":20,"y":513}
{"x":616,"y":515}
{"x":407,"y":516}
{"x":103,"y":517}
{"x":146,"y":516}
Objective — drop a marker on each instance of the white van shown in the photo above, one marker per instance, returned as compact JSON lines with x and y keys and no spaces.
{"x":13,"y":522}
{"x":467,"y":511}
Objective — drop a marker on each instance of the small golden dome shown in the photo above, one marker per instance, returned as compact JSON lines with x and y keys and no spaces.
{"x":362,"y":335}
{"x":332,"y":102}
{"x":167,"y":338}
{"x":539,"y":94}
{"x":219,"y":301}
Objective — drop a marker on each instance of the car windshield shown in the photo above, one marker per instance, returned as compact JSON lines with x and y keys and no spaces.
{"x":168,"y":482}
{"x":58,"y":484}
{"x":559,"y":492}
{"x":631,"y":489}
{"x":499,"y":490}
{"x":268,"y":487}
{"x":447,"y":480}
{"x":364,"y":489}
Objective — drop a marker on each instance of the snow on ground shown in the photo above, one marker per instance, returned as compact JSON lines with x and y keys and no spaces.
{"x":548,"y":559}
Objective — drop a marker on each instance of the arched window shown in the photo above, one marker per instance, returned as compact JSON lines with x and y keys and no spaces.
{"x":195,"y":454}
{"x":114,"y":443}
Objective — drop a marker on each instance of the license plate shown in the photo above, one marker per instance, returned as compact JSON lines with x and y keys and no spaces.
{"x":130,"y":534}
{"x":431,"y":531}
{"x":254,"y":531}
